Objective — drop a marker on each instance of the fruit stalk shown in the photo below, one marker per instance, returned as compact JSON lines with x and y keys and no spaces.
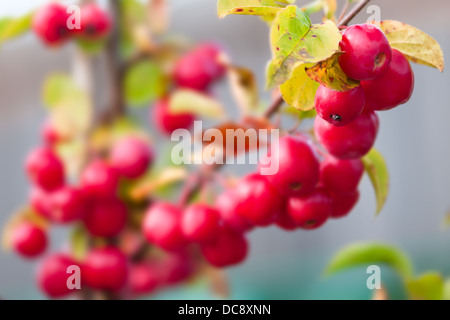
{"x":349,"y":17}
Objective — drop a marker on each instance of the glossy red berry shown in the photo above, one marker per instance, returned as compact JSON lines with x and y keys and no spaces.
{"x":100,"y":179}
{"x":229,"y":248}
{"x":95,"y":22}
{"x":131,"y":157}
{"x":176,"y":268}
{"x":50,"y":24}
{"x":341,"y":175}
{"x":29,"y":240}
{"x":298,"y":166}
{"x":200,"y":223}
{"x":343,"y":203}
{"x":106,"y":217}
{"x":67,"y":205}
{"x":211,"y":53}
{"x":45,"y":169}
{"x":105,"y":269}
{"x":351,"y":141}
{"x":393,"y":88}
{"x":144,"y":278}
{"x":227,"y":204}
{"x":311,"y":211}
{"x":162,"y":226}
{"x":50,"y":135}
{"x":166,"y":121}
{"x":41,"y":202}
{"x":339,"y":108}
{"x":285,"y":222}
{"x":367,"y":53}
{"x":259,"y":202}
{"x":52,"y":275}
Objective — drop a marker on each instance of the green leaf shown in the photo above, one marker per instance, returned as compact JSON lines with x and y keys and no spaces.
{"x":365,"y":254}
{"x":446,"y":290}
{"x":299,"y":91}
{"x":182,"y":101}
{"x":428,"y":286}
{"x":330,"y":74}
{"x":375,"y":166}
{"x":79,"y":242}
{"x":415,"y":44}
{"x":295,"y":41}
{"x":249,"y":7}
{"x":144,"y":82}
{"x":132,"y":14}
{"x":69,"y":105}
{"x":13,"y":27}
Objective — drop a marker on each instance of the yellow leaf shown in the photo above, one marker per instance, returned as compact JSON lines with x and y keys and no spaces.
{"x":243,"y":87}
{"x":191,"y":101}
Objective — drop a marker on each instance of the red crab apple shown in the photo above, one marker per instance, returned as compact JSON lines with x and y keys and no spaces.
{"x":367,"y":53}
{"x":351,"y":141}
{"x":29,"y":240}
{"x":167,"y":121}
{"x":343,"y":203}
{"x":50,"y":23}
{"x":100,"y":179}
{"x":339,"y":108}
{"x":95,"y":22}
{"x":52,"y":275}
{"x":341,"y":175}
{"x":106,"y":217}
{"x":105,"y":269}
{"x":45,"y":169}
{"x":41,"y":202}
{"x":200,"y":223}
{"x":393,"y":88}
{"x":144,"y":278}
{"x":67,"y":205}
{"x":226,"y":204}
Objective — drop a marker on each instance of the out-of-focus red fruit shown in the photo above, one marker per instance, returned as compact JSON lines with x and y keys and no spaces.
{"x":200,"y":223}
{"x":41,"y":202}
{"x":96,"y":23}
{"x":341,"y":175}
{"x":176,"y":268}
{"x":311,"y":211}
{"x":106,"y":217}
{"x":50,"y":24}
{"x":367,"y":53}
{"x":105,"y":269}
{"x":211,"y":53}
{"x":227,"y":204}
{"x":166,"y":121}
{"x":145,"y":278}
{"x":285,"y":222}
{"x":52,"y":275}
{"x":131,"y":157}
{"x":229,"y":248}
{"x":350,"y":142}
{"x":259,"y":202}
{"x":393,"y":88}
{"x":50,"y":135}
{"x":100,"y":180}
{"x":162,"y":226}
{"x":298,"y":166}
{"x":29,"y":240}
{"x":67,"y":205}
{"x":343,"y":203}
{"x":45,"y":169}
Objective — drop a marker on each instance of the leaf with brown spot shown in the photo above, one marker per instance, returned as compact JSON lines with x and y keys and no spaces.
{"x":415,"y":44}
{"x":264,"y":8}
{"x":243,"y":87}
{"x":330,"y":74}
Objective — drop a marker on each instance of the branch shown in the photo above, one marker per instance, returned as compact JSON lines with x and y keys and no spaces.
{"x":349,"y":17}
{"x":274,"y":107}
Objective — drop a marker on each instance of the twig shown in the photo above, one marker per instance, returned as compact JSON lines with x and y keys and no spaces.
{"x":344,"y":11}
{"x":353,"y":13}
{"x":274,"y":107}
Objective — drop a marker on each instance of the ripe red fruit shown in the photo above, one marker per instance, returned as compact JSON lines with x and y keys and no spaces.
{"x":311,"y":211}
{"x":350,"y":142}
{"x":285,"y":222}
{"x":50,"y":24}
{"x":229,"y":248}
{"x":131,"y":157}
{"x":45,"y":169}
{"x":100,"y":179}
{"x":176,"y":268}
{"x":298,"y":171}
{"x":367,"y":53}
{"x":226,"y":204}
{"x":343,"y":203}
{"x":341,"y":175}
{"x":95,"y":22}
{"x":394,"y":87}
{"x":67,"y":205}
{"x":199,"y":68}
{"x":52,"y":275}
{"x":50,"y":135}
{"x":339,"y":108}
{"x":200,"y":223}
{"x":166,"y":121}
{"x":41,"y":202}
{"x":144,"y":278}
{"x":105,"y":269}
{"x":106,"y":217}
{"x":259,"y":202}
{"x":162,"y":226}
{"x":29,"y":240}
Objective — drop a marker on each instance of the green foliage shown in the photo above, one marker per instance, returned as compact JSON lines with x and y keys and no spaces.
{"x":299,"y":91}
{"x":428,"y":286}
{"x":79,"y":242}
{"x":249,"y":7}
{"x":182,"y":101}
{"x":13,"y":27}
{"x":144,"y":82}
{"x":376,"y":168}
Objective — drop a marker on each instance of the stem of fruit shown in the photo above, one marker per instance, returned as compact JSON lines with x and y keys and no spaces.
{"x":349,"y":17}
{"x":344,"y":11}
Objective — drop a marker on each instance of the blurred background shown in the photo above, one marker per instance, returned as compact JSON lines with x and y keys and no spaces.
{"x":413,"y":138}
